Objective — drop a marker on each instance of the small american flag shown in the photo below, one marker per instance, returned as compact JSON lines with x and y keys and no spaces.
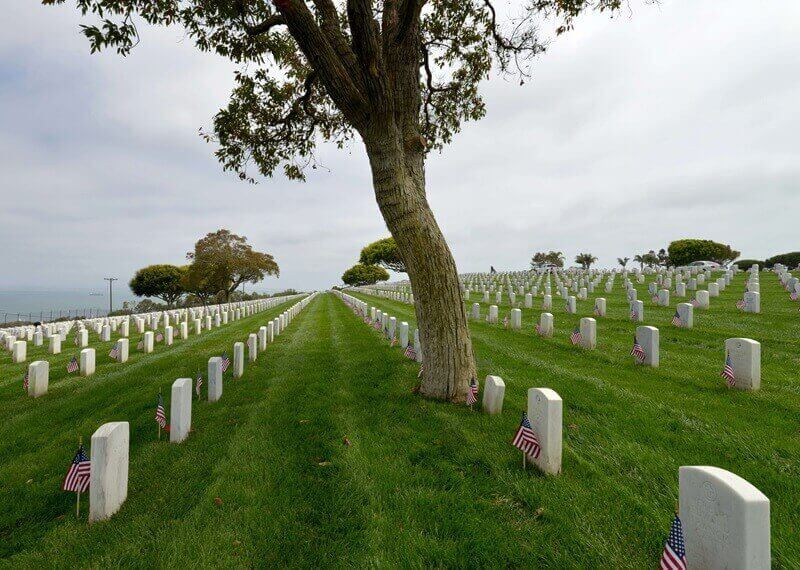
{"x":410,"y":352}
{"x":377,"y":325}
{"x":634,"y":314}
{"x":225,"y":361}
{"x":575,"y":337}
{"x":539,"y":329}
{"x":525,"y":440}
{"x":367,"y":320}
{"x":394,"y":341}
{"x":79,"y":473}
{"x":695,"y":303}
{"x":472,"y":393}
{"x":740,"y":304}
{"x":140,"y":345}
{"x":161,"y":416}
{"x":655,"y":298}
{"x":198,"y":384}
{"x":727,"y":371}
{"x":159,"y":337}
{"x":25,"y":381}
{"x":505,"y":321}
{"x":674,"y":556}
{"x":72,"y":365}
{"x":794,"y":296}
{"x":637,"y":351}
{"x":76,"y":339}
{"x":113,"y":353}
{"x":596,"y":310}
{"x":676,"y":319}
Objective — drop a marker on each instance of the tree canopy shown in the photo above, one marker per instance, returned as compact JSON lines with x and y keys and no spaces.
{"x":685,"y":251}
{"x":361,"y":274}
{"x":585,"y":260}
{"x":541,"y":258}
{"x":160,"y":281}
{"x":222,"y":261}
{"x":385,"y":253}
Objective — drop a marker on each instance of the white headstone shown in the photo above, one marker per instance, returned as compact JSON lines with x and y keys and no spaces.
{"x":214,"y":378}
{"x":726,"y":520}
{"x":180,"y":410}
{"x":252,"y":347}
{"x":745,"y":356}
{"x":545,"y":415}
{"x":55,"y":344}
{"x":648,"y":339}
{"x":588,"y":329}
{"x":38,"y":378}
{"x":494,"y":390}
{"x":19,"y":351}
{"x":238,"y":359}
{"x":87,"y":361}
{"x":109,"y":483}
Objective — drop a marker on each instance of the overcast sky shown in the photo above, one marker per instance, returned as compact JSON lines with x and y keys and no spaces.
{"x":678,"y":120}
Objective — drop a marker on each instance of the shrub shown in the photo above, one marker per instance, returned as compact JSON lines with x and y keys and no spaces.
{"x":685,"y":251}
{"x":745,"y":264}
{"x":790,"y":260}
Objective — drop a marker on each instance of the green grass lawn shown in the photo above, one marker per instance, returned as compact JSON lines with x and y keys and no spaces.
{"x":421,"y":483}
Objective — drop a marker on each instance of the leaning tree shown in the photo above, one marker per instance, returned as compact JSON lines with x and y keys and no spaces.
{"x":401,"y":75}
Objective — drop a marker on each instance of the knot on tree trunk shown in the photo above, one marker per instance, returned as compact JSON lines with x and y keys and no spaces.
{"x":415,"y":143}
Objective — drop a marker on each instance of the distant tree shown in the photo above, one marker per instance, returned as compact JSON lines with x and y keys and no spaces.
{"x":361,"y":274}
{"x":160,"y":281}
{"x":663,"y":258}
{"x":225,"y":261}
{"x":685,"y":251}
{"x":745,"y":264}
{"x":585,"y":260}
{"x":541,"y":258}
{"x":196,"y":283}
{"x":640,"y":260}
{"x":790,"y":260}
{"x":623,"y":261}
{"x":385,"y":253}
{"x":650,"y":258}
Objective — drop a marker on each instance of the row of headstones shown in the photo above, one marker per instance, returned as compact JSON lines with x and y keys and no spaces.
{"x":388,"y":324}
{"x":27,"y":332}
{"x":745,"y":353}
{"x":39,"y":371}
{"x":18,"y":347}
{"x":110,"y":444}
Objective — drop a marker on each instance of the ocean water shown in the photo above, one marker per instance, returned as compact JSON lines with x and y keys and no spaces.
{"x":38,"y":304}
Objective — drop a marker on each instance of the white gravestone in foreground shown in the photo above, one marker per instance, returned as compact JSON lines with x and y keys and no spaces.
{"x":745,"y":356}
{"x":262,"y":338}
{"x":588,"y":328}
{"x":87,"y":362}
{"x":123,"y":346}
{"x":55,"y":344}
{"x":725,"y":520}
{"x":180,"y":410}
{"x":516,"y":319}
{"x":546,"y":325}
{"x":403,"y":334}
{"x":19,"y":351}
{"x":109,"y":483}
{"x":648,"y":339}
{"x":238,"y":359}
{"x":214,"y":378}
{"x":493,"y":314}
{"x":147,"y":342}
{"x":494,"y":390}
{"x":545,"y":414}
{"x":686,"y":314}
{"x":252,"y":347}
{"x":38,"y":378}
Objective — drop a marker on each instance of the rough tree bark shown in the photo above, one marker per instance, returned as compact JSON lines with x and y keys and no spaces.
{"x":399,"y":183}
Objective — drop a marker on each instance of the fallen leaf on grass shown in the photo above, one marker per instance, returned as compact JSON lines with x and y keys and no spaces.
{"x":305,"y":421}
{"x":324,"y":463}
{"x":217,"y":501}
{"x":573,"y":426}
{"x":346,"y":442}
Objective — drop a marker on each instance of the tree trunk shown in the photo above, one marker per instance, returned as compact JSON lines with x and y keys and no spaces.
{"x":399,"y":182}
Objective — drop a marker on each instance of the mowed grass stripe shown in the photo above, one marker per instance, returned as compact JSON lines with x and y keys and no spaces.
{"x":39,"y":436}
{"x":632,"y":427}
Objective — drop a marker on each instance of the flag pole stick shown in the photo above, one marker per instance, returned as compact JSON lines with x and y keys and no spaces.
{"x":524,"y":462}
{"x":78,"y":493}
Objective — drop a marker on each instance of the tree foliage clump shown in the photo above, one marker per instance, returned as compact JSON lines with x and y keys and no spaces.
{"x":745,"y":264}
{"x":160,"y":281}
{"x":222,"y":261}
{"x":585,"y":260}
{"x":685,"y":251}
{"x":541,"y":258}
{"x":361,"y":274}
{"x":790,"y":260}
{"x":385,"y":253}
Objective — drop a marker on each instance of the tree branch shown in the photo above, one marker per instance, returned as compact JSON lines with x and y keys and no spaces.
{"x":265,"y":26}
{"x":366,"y":45}
{"x":409,"y":14}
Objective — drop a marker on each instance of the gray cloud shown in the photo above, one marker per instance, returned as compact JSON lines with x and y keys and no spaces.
{"x":677,"y":121}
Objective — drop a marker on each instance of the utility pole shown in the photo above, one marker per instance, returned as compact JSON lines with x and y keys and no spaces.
{"x":110,"y":292}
